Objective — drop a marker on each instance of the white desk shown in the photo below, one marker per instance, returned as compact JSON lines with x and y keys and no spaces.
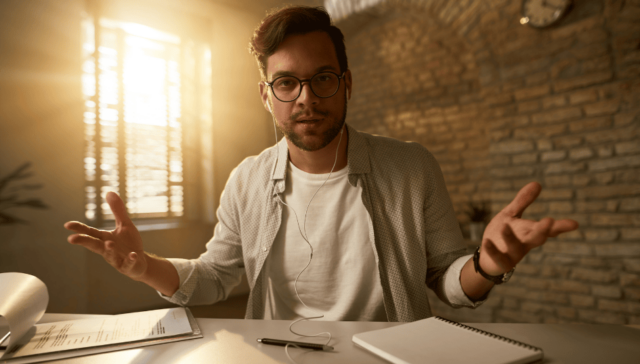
{"x":234,"y":341}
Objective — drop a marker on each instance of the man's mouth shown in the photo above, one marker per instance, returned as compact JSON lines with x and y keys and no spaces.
{"x":308,"y":121}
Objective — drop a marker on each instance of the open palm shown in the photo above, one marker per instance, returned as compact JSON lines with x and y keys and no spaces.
{"x":121,"y":247}
{"x":509,"y":237}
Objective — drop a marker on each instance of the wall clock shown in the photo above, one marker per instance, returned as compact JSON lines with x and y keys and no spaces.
{"x":543,"y":13}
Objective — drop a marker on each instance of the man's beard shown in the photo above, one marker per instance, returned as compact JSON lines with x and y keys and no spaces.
{"x":326,"y":137}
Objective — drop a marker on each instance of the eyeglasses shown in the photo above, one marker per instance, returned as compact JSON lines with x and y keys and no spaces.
{"x":289,"y":88}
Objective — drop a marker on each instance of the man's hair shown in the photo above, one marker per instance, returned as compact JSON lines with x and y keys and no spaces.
{"x":280,"y":23}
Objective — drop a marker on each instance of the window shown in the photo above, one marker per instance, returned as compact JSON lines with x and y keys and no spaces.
{"x":145,"y":91}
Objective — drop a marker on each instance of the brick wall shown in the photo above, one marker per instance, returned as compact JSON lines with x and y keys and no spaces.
{"x":499,"y":105}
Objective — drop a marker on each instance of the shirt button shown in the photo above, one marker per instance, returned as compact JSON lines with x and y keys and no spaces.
{"x":265,"y":249}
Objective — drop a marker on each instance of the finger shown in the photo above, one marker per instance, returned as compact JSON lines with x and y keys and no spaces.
{"x":563,"y":226}
{"x":539,"y":232}
{"x":111,"y":255}
{"x":523,"y":199}
{"x":129,"y":263}
{"x":93,"y":244}
{"x":118,"y":208}
{"x":499,"y":258}
{"x":81,"y":228}
{"x":515,"y":248}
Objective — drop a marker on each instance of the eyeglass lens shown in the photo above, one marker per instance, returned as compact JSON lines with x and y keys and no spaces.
{"x":323,"y":85}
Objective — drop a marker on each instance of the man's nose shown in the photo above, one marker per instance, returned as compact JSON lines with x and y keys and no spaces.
{"x":306,"y":95}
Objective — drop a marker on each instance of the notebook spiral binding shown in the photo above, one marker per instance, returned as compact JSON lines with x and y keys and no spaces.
{"x":495,"y":336}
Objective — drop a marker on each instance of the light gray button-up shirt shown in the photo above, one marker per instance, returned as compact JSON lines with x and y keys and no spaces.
{"x":413,"y":226}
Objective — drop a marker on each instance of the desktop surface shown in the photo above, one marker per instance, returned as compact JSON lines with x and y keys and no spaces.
{"x":234,"y":341}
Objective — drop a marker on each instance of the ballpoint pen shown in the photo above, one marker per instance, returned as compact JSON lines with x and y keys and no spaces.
{"x":295,"y":343}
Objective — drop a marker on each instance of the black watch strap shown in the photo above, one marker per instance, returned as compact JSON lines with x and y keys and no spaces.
{"x":503,"y":278}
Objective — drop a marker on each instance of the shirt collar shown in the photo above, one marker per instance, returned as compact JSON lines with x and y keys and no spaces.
{"x":357,"y":155}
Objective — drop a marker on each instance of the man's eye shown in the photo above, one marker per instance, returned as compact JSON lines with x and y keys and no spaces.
{"x":285,"y":83}
{"x":324,"y":78}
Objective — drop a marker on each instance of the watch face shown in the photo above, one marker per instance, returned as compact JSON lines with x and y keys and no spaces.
{"x":542,"y":13}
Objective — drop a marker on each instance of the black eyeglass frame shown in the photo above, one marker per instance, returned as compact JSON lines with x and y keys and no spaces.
{"x":308,"y":80}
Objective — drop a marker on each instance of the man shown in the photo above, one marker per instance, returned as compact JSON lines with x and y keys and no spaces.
{"x":329,"y":220}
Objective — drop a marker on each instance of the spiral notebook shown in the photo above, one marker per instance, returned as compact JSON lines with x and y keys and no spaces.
{"x":438,"y":340}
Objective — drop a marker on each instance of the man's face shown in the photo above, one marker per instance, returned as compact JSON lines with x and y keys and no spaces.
{"x":309,"y":122}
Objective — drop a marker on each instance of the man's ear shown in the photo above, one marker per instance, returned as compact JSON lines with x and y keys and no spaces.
{"x":348,"y":83}
{"x":264,"y":95}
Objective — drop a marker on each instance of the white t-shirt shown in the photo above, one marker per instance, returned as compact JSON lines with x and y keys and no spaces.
{"x":342,"y":282}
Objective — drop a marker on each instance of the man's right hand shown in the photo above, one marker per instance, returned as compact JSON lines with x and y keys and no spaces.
{"x":121,"y":247}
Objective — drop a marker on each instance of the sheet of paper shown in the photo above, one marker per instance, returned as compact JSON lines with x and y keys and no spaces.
{"x":23,"y":300}
{"x":79,"y":334}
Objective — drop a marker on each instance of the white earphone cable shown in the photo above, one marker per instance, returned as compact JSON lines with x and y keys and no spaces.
{"x":305,"y":237}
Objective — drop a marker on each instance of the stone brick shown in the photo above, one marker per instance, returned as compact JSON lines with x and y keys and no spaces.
{"x":614,"y":163}
{"x":601,"y":317}
{"x":528,"y":106}
{"x":511,"y":303}
{"x":525,"y":158}
{"x":560,"y":194}
{"x":600,"y":234}
{"x":582,"y":81}
{"x":606,"y":107}
{"x":553,"y":156}
{"x":604,"y":178}
{"x":556,"y":115}
{"x":618,"y":250}
{"x":632,"y":293}
{"x":544,"y":144}
{"x":593,"y":275}
{"x":519,"y":171}
{"x":580,"y":300}
{"x":558,"y":181}
{"x":605,"y":151}
{"x":500,"y":99}
{"x":567,"y":141}
{"x":612,"y":206}
{"x":594,"y":262}
{"x":607,"y":291}
{"x":546,"y":131}
{"x":580,"y":153}
{"x":555,"y":271}
{"x":556,"y":247}
{"x":564,"y":167}
{"x":535,"y":307}
{"x":532,"y":92}
{"x":577,"y":27}
{"x":581,"y":180}
{"x":629,"y":279}
{"x":518,"y":316}
{"x":590,"y":124}
{"x":632,"y":265}
{"x":600,"y":192}
{"x":630,"y":233}
{"x":566,"y":312}
{"x":554,"y":101}
{"x":630,"y":204}
{"x":624,"y":119}
{"x":582,"y":96}
{"x":512,"y":147}
{"x":560,"y":207}
{"x":619,"y":306}
{"x":591,"y":206}
{"x":612,"y":135}
{"x":627,"y":148}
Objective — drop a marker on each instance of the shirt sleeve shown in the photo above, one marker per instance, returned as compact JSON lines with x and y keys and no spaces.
{"x":211,"y":277}
{"x":453,"y":287}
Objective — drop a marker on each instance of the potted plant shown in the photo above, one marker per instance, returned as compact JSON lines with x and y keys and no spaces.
{"x":9,"y":198}
{"x":479,"y":214}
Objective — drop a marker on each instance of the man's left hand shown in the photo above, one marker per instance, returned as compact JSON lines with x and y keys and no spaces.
{"x":509,"y":237}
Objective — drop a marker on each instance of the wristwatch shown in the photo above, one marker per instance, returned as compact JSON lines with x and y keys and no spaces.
{"x":503,"y":278}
